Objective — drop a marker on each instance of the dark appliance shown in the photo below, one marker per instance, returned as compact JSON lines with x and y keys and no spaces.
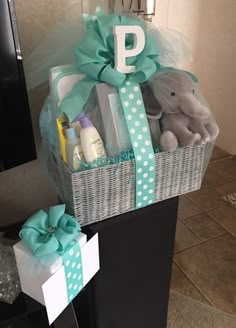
{"x":16,"y":135}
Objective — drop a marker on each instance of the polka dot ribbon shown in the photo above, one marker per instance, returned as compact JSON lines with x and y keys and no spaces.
{"x":73,"y":270}
{"x":135,"y":116}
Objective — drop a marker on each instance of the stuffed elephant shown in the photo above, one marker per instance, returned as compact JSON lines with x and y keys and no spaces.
{"x":185,"y":119}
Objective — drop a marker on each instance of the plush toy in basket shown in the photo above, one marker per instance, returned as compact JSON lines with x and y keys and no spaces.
{"x":120,"y":130}
{"x":185,"y":121}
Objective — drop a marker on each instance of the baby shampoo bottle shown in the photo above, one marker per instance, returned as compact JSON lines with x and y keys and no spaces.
{"x":74,"y":152}
{"x":92,"y":144}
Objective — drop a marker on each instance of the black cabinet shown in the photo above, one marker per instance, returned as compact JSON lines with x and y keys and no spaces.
{"x":131,"y":290}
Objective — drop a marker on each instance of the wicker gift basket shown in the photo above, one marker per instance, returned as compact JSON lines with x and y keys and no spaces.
{"x":97,"y":193}
{"x":100,"y":193}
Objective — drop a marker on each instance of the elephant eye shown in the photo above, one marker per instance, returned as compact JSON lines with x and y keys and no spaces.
{"x":172,"y":94}
{"x":193,"y":91}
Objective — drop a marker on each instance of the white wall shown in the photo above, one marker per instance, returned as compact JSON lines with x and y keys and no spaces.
{"x":216,"y":67}
{"x":26,"y":189}
{"x":210,"y":27}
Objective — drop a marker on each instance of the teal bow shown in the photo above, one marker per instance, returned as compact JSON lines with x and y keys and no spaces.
{"x":95,"y":57}
{"x":48,"y":233}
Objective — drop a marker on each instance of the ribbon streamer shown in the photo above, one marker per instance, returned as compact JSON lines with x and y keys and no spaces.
{"x":73,"y":270}
{"x":135,"y":115}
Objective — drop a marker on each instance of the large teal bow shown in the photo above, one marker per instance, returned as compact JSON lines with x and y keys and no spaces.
{"x":48,"y":233}
{"x":95,"y":57}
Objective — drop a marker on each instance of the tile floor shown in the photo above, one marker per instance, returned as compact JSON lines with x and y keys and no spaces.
{"x":204,"y":266}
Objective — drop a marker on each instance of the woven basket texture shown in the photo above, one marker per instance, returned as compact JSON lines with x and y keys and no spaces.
{"x":101,"y":193}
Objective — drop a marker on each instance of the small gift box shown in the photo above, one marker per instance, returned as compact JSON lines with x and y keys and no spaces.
{"x":54,"y":259}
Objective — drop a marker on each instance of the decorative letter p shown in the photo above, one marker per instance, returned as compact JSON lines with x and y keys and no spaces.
{"x":121,"y":53}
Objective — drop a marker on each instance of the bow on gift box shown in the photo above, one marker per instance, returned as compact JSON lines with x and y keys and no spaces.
{"x":48,"y":233}
{"x":54,"y":232}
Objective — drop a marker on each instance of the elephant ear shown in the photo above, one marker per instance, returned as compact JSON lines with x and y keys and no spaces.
{"x":152,"y":105}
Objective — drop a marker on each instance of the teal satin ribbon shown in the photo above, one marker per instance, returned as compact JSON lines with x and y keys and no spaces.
{"x":94,"y":57}
{"x":48,"y":233}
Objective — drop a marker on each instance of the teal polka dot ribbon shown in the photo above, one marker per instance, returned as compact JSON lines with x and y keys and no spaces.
{"x":135,"y":116}
{"x":73,"y":270}
{"x":94,"y":56}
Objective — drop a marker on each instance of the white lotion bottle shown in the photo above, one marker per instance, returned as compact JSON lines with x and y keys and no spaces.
{"x":92,"y":144}
{"x":74,"y":151}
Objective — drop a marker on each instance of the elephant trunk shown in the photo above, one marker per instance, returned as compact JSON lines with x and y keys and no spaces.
{"x":192,"y":107}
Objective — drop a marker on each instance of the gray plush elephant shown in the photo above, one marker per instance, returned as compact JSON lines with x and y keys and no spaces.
{"x":185,"y":119}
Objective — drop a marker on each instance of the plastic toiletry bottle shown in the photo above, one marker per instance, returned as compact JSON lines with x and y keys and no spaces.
{"x":91,"y":141}
{"x":76,"y":126}
{"x":74,"y":152}
{"x":62,"y":124}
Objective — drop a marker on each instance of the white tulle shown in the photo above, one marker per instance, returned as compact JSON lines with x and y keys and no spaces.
{"x":57,"y":47}
{"x":173,"y":47}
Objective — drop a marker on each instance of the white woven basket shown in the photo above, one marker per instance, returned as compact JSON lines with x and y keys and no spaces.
{"x":104,"y":192}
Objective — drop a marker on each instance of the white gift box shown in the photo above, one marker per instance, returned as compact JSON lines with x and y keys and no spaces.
{"x":44,"y":279}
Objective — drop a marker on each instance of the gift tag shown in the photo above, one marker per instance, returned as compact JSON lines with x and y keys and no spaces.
{"x":57,"y":290}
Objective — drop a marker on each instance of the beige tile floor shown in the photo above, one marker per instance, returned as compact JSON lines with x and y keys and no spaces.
{"x":204,"y":265}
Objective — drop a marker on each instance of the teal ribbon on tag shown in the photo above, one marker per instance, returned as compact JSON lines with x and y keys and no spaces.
{"x":73,"y":270}
{"x":136,"y":120}
{"x":55,"y":231}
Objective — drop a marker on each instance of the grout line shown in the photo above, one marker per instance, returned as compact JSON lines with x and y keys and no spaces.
{"x":223,"y":233}
{"x":206,"y":213}
{"x":218,"y":185}
{"x":222,"y":176}
{"x":223,"y":194}
{"x":209,"y":209}
{"x":220,"y":225}
{"x":221,"y":159}
{"x":191,"y":230}
{"x":193,"y":283}
{"x":191,"y":216}
{"x":230,"y":232}
{"x":209,"y":187}
{"x":185,"y":195}
{"x":198,"y":244}
{"x":232,"y":178}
